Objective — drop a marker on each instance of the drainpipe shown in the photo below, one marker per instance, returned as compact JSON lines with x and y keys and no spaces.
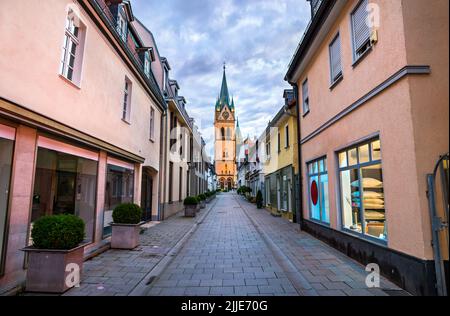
{"x":163,"y":163}
{"x":299,"y":158}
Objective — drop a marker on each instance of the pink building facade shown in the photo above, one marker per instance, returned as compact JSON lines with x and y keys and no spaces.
{"x":80,"y":121}
{"x":371,"y":80}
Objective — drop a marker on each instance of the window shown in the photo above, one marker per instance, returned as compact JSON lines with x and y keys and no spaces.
{"x":147,"y":63}
{"x":335,"y":59}
{"x":362,"y":193}
{"x":6,"y":154}
{"x":228,"y":134}
{"x":119,"y":189}
{"x":360,"y":30}
{"x":122,"y":25}
{"x":126,"y":107}
{"x":318,"y":191}
{"x":286,"y":136}
{"x":180,"y":185}
{"x":71,"y":56}
{"x":152,"y":124}
{"x":305,"y":94}
{"x":268,"y":149}
{"x":65,"y":184}
{"x":222,"y":133}
{"x":279,"y":142}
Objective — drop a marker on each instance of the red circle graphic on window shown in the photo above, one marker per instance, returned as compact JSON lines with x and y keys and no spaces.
{"x":314,"y":193}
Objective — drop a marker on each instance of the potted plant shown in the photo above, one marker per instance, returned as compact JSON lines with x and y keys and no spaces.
{"x":190,"y":206}
{"x":55,"y":260}
{"x":126,"y":226}
{"x":202,"y":199}
{"x":259,"y":199}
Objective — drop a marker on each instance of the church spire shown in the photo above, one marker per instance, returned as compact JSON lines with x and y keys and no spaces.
{"x":224,"y":95}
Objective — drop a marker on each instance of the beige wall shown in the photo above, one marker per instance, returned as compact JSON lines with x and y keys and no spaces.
{"x":413,"y":125}
{"x":427,"y":44}
{"x":387,"y":57}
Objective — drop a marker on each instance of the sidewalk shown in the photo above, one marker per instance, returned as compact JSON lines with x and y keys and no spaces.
{"x":323,"y":269}
{"x":118,"y":272}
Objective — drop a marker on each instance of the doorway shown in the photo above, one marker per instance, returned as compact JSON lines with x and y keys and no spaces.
{"x":146,"y":197}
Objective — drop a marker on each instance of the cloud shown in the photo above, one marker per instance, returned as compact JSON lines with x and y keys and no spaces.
{"x":256,"y":38}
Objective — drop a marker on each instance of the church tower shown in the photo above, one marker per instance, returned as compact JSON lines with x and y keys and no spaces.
{"x":225,"y":138}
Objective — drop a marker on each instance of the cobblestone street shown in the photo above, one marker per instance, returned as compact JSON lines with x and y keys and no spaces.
{"x":230,"y":248}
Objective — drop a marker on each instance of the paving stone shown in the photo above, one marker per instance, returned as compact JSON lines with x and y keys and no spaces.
{"x":211,"y":282}
{"x":246,"y":290}
{"x":221,"y":290}
{"x":256,"y":282}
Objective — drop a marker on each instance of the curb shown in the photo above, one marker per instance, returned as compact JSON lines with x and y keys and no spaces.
{"x":143,"y":287}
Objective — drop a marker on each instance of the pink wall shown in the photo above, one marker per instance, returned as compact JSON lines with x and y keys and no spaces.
{"x":30,"y":77}
{"x":413,"y":125}
{"x":21,"y":191}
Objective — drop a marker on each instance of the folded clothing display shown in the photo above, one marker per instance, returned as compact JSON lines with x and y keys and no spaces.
{"x":369,"y":183}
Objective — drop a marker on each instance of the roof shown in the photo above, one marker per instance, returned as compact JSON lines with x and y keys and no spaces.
{"x":224,"y":96}
{"x":311,"y":32}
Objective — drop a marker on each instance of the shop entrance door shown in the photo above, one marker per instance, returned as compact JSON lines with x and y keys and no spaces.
{"x":146,"y":197}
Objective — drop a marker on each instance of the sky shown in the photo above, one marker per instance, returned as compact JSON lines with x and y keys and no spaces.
{"x":256,"y":39}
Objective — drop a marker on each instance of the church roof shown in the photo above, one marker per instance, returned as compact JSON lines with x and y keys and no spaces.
{"x":224,"y":96}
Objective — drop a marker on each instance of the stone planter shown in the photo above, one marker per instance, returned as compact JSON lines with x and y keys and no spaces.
{"x":190,"y":210}
{"x":53,"y":271}
{"x":202,"y":204}
{"x":125,"y":236}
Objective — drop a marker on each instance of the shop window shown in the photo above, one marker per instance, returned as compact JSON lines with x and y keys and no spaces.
{"x":119,"y":189}
{"x":362,"y":193}
{"x":318,"y":191}
{"x":65,"y":184}
{"x":6,"y":154}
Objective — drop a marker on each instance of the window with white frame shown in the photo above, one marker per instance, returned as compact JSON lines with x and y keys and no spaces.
{"x":279,"y":142}
{"x":286,"y":136}
{"x":147,"y":63}
{"x":360,"y":30}
{"x":305,"y":96}
{"x":152,"y":124}
{"x":71,"y":55}
{"x":122,"y":25}
{"x":335,"y":59}
{"x":268,"y":149}
{"x":126,"y":106}
{"x":319,"y":206}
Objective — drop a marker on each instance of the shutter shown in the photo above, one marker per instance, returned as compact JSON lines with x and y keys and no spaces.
{"x":335,"y":58}
{"x":361,"y":31}
{"x":305,"y":96}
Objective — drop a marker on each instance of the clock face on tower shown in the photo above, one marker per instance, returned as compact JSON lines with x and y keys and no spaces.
{"x":226,"y":115}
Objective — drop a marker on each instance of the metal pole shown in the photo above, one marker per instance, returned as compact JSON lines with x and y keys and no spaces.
{"x":436,"y":226}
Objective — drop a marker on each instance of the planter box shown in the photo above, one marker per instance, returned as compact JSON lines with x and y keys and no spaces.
{"x":190,"y":210}
{"x":48,"y":269}
{"x":125,"y":236}
{"x":202,"y":204}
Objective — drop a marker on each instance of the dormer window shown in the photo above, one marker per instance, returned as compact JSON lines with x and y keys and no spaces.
{"x":122,"y":25}
{"x":147,"y":63}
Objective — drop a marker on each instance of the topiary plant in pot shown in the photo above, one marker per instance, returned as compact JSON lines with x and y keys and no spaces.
{"x":126,"y":226}
{"x":190,"y":206}
{"x":55,"y":260}
{"x":202,"y":199}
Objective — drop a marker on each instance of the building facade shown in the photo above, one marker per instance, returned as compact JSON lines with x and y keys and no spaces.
{"x":225,"y":138}
{"x":371,"y":82}
{"x":80,"y":130}
{"x":281,"y":168}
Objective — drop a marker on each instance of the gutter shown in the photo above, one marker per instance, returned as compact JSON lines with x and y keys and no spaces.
{"x":299,"y":214}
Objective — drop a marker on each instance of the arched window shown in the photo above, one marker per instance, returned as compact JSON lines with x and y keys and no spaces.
{"x":222,"y":133}
{"x":228,"y":133}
